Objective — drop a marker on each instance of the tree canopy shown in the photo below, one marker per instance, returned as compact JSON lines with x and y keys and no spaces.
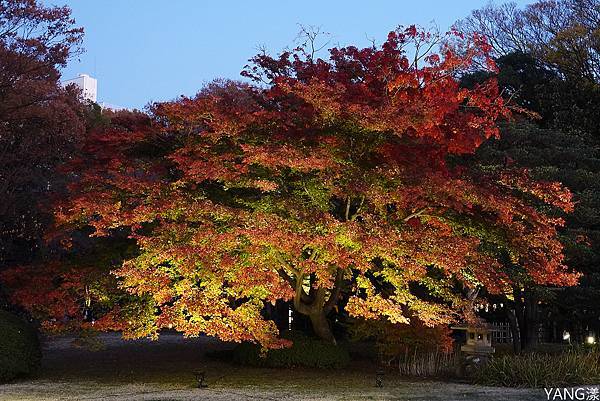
{"x":332,"y":183}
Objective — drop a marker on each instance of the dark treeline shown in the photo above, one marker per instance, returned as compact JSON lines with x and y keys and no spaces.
{"x":549,"y":64}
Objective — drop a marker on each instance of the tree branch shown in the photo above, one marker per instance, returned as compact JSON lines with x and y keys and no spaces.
{"x":357,"y":213}
{"x":335,"y":292}
{"x":300,"y":306}
{"x":347,"y":208}
{"x":415,"y":214}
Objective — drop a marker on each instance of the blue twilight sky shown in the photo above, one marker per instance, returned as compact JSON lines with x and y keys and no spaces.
{"x":151,"y":50}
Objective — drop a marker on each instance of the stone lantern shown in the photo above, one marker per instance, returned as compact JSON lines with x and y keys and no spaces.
{"x":479,"y":340}
{"x":478,"y":348}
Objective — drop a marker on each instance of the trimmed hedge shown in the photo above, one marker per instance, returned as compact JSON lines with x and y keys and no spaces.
{"x":20,"y":353}
{"x":305,"y":352}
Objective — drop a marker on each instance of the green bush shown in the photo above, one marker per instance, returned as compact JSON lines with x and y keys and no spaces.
{"x":19,"y":348}
{"x":570,"y":368}
{"x":305,"y":351}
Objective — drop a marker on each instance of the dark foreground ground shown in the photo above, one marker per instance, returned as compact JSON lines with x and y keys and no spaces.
{"x":163,"y":371}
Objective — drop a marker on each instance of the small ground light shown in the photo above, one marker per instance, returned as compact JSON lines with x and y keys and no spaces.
{"x":591,"y":340}
{"x":200,"y":377}
{"x":566,"y":335}
{"x":379,"y":378}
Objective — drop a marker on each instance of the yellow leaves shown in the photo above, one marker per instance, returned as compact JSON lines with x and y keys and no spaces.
{"x":374,"y":306}
{"x":431,"y":314}
{"x":394,"y":276}
{"x":346,"y":240}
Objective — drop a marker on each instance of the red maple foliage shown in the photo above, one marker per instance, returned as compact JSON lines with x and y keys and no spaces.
{"x":332,"y":183}
{"x":39,"y":120}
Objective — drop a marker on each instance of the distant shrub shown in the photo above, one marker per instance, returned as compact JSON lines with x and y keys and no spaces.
{"x":20,"y":353}
{"x":305,"y":351}
{"x":399,"y":343}
{"x":568,"y":368}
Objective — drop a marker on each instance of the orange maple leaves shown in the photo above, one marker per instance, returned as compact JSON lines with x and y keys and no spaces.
{"x":329,"y":183}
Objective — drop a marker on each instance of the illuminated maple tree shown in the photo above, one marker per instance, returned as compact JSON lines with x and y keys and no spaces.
{"x":323,"y":180}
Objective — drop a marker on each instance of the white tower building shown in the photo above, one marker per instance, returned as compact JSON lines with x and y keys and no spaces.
{"x":87,"y":84}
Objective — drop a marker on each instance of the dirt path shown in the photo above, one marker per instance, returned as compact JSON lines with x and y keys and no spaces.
{"x":163,"y":371}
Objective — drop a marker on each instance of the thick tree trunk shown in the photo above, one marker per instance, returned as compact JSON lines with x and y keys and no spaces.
{"x":521,"y":317}
{"x":514,"y":330}
{"x":317,"y":304}
{"x":531,"y":317}
{"x":321,"y":327}
{"x":526,"y":312}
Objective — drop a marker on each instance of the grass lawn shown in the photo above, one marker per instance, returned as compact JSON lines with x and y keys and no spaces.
{"x":163,"y":370}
